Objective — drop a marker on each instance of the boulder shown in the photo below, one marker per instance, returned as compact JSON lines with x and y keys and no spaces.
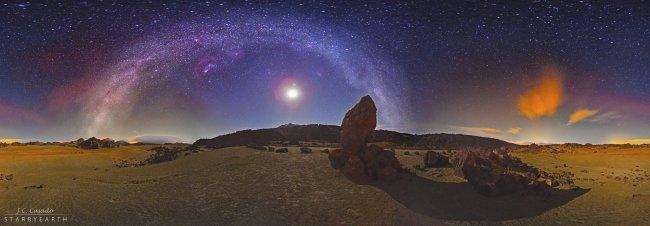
{"x":435,"y":160}
{"x":337,"y":158}
{"x":490,"y":179}
{"x":358,"y":124}
{"x":305,"y":150}
{"x":381,"y":164}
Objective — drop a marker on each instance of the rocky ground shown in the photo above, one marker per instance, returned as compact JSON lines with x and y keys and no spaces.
{"x":245,"y":186}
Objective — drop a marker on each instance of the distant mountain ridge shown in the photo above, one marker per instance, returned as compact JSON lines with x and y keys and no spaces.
{"x":330,"y":133}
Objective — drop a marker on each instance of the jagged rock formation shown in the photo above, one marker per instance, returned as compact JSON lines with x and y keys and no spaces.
{"x":495,"y":173}
{"x":94,"y":143}
{"x":357,"y":160}
{"x":91,"y":143}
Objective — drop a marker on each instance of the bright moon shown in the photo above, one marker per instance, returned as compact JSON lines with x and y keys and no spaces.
{"x":292,"y":93}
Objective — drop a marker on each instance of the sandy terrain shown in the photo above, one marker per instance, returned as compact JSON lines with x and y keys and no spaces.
{"x":243,"y":186}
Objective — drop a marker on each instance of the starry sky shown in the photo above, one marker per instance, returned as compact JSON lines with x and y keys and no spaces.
{"x":540,"y":71}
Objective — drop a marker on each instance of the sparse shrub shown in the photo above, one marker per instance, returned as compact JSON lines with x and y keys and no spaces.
{"x":326,"y":151}
{"x":407,"y":153}
{"x":281,"y":150}
{"x":271,"y":149}
{"x":416,"y":153}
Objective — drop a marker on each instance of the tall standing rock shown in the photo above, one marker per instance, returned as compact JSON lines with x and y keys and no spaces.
{"x":357,"y":160}
{"x":359,"y":123}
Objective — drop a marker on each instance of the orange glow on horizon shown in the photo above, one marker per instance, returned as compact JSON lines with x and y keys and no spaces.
{"x":9,"y":140}
{"x":631,"y":141}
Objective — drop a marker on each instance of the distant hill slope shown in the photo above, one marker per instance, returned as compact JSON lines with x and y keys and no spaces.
{"x":330,"y":134}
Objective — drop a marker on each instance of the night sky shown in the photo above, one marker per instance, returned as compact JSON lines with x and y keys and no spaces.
{"x":522,"y":72}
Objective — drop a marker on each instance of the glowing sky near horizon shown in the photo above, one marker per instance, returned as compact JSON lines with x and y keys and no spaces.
{"x":540,"y":72}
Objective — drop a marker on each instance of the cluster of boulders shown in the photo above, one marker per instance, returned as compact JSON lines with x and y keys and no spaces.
{"x":357,"y":160}
{"x":159,"y":155}
{"x":94,"y":143}
{"x":494,"y":173}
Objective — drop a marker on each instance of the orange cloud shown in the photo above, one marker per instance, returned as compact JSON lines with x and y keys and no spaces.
{"x":9,"y":140}
{"x":580,"y":114}
{"x":514,"y":130}
{"x":544,"y":98}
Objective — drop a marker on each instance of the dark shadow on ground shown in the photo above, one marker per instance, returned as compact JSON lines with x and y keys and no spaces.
{"x":459,"y":201}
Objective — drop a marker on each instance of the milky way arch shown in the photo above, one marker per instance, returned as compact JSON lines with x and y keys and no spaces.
{"x":209,"y":46}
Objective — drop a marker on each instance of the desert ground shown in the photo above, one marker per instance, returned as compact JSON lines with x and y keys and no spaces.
{"x":244,"y":186}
